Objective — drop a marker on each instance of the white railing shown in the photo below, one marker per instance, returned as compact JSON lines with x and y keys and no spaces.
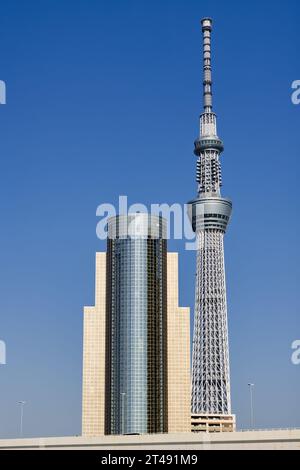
{"x":268,"y":429}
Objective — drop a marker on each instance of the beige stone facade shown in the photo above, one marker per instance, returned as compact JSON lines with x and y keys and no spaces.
{"x":93,"y":386}
{"x":179,"y":401}
{"x":178,"y":355}
{"x":213,"y":423}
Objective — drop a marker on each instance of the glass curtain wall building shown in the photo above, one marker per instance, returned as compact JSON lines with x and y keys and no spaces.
{"x":136,"y":325}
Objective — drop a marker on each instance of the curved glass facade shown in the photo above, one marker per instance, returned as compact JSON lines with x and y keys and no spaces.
{"x":136,"y":325}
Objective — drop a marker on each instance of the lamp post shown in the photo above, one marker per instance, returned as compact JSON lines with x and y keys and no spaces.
{"x":123,"y":395}
{"x":21,"y":403}
{"x":251,"y":387}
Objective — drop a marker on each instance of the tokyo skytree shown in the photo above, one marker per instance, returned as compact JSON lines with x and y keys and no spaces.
{"x":209,"y":214}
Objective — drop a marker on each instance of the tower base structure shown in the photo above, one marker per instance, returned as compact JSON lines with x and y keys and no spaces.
{"x":213,"y":423}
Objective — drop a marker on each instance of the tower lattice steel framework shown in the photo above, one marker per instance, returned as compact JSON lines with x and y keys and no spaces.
{"x":210,"y":214}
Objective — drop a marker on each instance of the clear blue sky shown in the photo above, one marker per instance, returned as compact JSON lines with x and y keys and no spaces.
{"x":103,"y":98}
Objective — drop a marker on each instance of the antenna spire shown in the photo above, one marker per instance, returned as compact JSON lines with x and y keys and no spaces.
{"x":208,"y":146}
{"x":207,"y":80}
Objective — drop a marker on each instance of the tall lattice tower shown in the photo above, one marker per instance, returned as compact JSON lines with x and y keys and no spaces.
{"x":209,"y":215}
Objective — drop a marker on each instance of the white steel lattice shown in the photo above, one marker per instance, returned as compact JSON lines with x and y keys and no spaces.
{"x":210,"y":376}
{"x":210,"y":214}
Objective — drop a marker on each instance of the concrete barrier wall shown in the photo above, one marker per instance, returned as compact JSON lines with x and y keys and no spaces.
{"x":273,"y":439}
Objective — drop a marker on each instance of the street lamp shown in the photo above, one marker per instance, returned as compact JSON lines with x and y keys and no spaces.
{"x":21,"y":403}
{"x":251,"y":387}
{"x":123,"y":396}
